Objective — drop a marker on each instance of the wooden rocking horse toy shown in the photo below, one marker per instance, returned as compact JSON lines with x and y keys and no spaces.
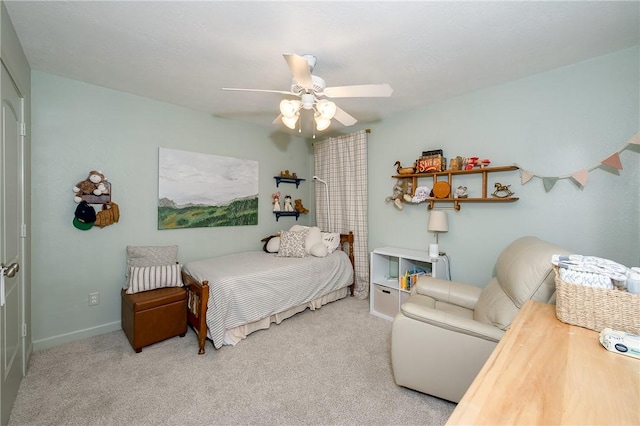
{"x":502,"y":191}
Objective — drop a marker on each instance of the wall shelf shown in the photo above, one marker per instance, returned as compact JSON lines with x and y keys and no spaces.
{"x":287,"y":180}
{"x":449,"y":174}
{"x":278,"y":214}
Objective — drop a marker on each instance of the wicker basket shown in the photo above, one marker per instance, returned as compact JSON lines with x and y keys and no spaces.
{"x":597,"y":308}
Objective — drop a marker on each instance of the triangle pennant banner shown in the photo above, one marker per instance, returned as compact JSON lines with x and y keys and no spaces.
{"x":525,"y":176}
{"x":581,"y":177}
{"x":635,"y":139}
{"x":613,"y":161}
{"x":549,"y":182}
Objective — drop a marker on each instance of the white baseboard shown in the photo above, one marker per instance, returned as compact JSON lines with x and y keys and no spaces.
{"x":50,"y":342}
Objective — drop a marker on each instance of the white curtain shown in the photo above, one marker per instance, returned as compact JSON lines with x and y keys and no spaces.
{"x":342,"y":163}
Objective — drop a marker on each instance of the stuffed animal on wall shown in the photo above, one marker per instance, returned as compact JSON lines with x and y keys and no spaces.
{"x":92,"y":185}
{"x":287,"y":203}
{"x":401,"y":193}
{"x":300,"y":208}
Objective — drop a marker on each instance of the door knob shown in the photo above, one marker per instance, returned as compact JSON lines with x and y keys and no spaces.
{"x":10,"y":271}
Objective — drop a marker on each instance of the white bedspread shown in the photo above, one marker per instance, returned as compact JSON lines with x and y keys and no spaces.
{"x":249,"y":286}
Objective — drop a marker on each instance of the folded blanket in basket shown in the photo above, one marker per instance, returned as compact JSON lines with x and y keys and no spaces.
{"x":590,"y":270}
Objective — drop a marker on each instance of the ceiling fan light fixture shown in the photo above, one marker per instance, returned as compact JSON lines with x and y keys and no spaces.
{"x":322,"y":123}
{"x":290,"y":122}
{"x":326,"y":109}
{"x":289,"y":108}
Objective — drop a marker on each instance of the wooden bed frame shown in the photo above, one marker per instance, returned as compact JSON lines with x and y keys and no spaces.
{"x":198,"y":295}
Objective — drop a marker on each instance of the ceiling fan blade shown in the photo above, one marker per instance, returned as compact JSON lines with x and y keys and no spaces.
{"x":360,"y":91}
{"x":343,"y":117}
{"x":257,"y":90}
{"x":300,"y":69}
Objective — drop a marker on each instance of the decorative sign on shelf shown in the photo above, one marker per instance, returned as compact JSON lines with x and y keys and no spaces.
{"x":580,"y":176}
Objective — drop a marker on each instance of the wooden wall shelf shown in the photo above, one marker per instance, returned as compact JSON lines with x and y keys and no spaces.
{"x":449,"y":174}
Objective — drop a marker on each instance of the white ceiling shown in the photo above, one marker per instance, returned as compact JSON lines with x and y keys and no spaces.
{"x":185,"y":52}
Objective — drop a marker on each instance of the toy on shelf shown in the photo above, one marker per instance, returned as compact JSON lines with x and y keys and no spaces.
{"x":422,"y":194}
{"x":461,"y":192}
{"x":484,"y":163}
{"x":299,"y":207}
{"x":288,"y":174}
{"x":470,"y":162}
{"x":502,"y":191}
{"x":288,"y":207}
{"x":276,"y":201}
{"x":404,"y":170}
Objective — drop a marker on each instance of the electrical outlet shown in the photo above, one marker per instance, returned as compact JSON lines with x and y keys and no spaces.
{"x":94,"y":299}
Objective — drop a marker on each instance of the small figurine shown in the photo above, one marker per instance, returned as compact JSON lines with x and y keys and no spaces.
{"x":502,"y":191}
{"x":404,"y":170}
{"x":470,"y":163}
{"x":288,"y":207}
{"x":461,"y":192}
{"x":276,"y":201}
{"x":484,"y":163}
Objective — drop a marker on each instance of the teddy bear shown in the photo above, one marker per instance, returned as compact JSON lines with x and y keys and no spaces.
{"x":287,"y":203}
{"x":92,"y":185}
{"x":401,"y":193}
{"x":299,"y":207}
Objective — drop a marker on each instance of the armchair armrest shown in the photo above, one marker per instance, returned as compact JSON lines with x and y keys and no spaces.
{"x":448,"y":321}
{"x":460,"y":294}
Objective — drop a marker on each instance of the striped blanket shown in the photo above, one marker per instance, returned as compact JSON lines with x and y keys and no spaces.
{"x":249,"y":286}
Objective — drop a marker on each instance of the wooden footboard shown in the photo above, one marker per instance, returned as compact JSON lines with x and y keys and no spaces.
{"x":346,"y":245}
{"x":197,"y":297}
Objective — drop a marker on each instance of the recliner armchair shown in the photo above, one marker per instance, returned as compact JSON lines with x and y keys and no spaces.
{"x":446,"y":330}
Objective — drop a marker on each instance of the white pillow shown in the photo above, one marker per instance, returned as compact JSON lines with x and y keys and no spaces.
{"x":331,"y":240}
{"x":314,"y":237}
{"x":298,"y":228}
{"x":143,"y":278}
{"x":292,"y":244}
{"x":319,"y":250}
{"x":273,"y":245}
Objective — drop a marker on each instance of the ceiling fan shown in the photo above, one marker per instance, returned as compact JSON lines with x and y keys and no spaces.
{"x":311,"y":91}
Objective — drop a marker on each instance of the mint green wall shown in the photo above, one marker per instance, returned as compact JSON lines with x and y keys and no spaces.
{"x":554,"y":123}
{"x":78,"y":127}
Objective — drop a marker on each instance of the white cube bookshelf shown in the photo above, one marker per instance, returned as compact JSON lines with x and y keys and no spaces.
{"x":387,"y":265}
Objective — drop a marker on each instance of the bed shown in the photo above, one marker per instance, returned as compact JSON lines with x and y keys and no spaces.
{"x":231,"y":296}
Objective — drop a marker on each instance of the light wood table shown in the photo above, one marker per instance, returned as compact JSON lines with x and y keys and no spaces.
{"x":547,"y":372}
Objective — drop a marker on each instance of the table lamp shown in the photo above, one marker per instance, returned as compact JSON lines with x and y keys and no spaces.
{"x":437,"y":223}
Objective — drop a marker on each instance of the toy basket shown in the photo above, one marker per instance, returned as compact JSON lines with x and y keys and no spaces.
{"x":597,"y":308}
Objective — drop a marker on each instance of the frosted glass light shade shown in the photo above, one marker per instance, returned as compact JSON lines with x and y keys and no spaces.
{"x":289,"y":108}
{"x":290,"y":122}
{"x":322,"y":123}
{"x":326,"y":109}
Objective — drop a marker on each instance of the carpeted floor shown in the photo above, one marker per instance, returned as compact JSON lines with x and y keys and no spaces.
{"x":328,"y":367}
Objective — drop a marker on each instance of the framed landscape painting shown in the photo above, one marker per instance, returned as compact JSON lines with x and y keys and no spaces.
{"x":201,"y":190}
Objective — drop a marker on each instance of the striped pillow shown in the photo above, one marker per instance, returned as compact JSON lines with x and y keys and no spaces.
{"x":143,"y":278}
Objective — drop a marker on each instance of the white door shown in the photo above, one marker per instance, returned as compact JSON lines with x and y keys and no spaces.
{"x":11,"y":166}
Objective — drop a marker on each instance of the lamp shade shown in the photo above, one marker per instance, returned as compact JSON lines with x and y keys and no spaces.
{"x":438,"y":221}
